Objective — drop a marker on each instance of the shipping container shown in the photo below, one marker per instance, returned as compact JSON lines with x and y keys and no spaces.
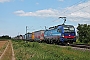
{"x":38,"y":35}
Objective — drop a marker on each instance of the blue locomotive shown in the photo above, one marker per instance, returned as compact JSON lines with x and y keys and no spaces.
{"x":60,"y":34}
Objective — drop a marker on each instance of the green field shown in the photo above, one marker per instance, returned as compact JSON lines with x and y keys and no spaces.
{"x":42,"y":51}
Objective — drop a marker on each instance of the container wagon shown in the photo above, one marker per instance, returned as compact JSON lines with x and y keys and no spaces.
{"x":38,"y":36}
{"x":28,"y":36}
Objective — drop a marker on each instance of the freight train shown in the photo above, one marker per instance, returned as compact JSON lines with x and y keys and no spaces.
{"x":57,"y":34}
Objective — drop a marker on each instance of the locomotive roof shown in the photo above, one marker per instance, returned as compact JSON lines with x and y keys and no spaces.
{"x":28,"y":33}
{"x":39,"y":30}
{"x":54,"y":27}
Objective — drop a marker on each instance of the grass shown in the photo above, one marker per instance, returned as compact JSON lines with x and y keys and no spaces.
{"x":43,"y":51}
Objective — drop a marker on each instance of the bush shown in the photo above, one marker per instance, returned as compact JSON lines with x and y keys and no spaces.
{"x":83,"y":33}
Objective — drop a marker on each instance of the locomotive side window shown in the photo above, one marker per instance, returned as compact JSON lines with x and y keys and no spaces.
{"x":58,"y":30}
{"x":46,"y":33}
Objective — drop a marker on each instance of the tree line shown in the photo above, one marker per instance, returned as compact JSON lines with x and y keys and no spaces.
{"x":83,"y":31}
{"x":5,"y":37}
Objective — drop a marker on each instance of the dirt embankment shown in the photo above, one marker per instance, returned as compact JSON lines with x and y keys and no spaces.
{"x":7,"y":53}
{"x":2,"y":46}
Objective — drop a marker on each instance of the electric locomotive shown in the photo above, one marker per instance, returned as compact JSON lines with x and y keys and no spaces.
{"x":60,"y":34}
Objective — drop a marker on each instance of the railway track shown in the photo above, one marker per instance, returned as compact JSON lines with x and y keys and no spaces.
{"x":87,"y":46}
{"x":84,"y":46}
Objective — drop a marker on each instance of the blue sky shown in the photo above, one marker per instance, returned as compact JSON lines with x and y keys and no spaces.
{"x":15,"y":15}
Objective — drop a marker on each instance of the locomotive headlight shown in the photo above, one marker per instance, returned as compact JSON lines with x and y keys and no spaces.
{"x":62,"y":35}
{"x":74,"y":36}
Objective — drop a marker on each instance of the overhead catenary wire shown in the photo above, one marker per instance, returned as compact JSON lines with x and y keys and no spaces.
{"x":80,"y":12}
{"x":77,"y":9}
{"x":79,"y":2}
{"x":80,"y":9}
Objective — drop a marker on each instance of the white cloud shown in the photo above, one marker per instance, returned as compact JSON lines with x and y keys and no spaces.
{"x":37,"y":3}
{"x":2,"y":1}
{"x":76,"y":13}
{"x":57,"y":20}
{"x":39,"y":13}
{"x":22,"y":0}
{"x":60,"y":0}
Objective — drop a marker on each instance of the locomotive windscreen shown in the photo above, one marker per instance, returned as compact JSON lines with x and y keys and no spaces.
{"x":68,"y":28}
